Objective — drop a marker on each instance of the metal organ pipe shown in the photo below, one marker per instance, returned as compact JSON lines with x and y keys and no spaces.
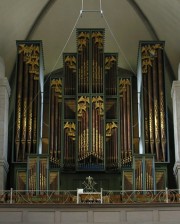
{"x":162,"y":105}
{"x":151,"y":110}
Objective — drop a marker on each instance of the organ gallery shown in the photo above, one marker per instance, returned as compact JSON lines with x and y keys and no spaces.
{"x":90,"y":118}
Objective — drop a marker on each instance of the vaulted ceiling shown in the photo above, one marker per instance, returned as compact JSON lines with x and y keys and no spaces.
{"x":126,"y":22}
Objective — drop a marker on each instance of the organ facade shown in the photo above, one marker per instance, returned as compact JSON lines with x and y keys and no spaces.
{"x":90,"y":118}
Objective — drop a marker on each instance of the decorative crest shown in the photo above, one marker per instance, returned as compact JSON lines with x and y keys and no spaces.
{"x":109,"y":62}
{"x":83,"y":103}
{"x":109,"y":128}
{"x":123,"y":83}
{"x":82,"y":40}
{"x":98,"y":39}
{"x":70,"y":61}
{"x":31,"y":57}
{"x":99,"y":104}
{"x":149,"y":52}
{"x":71,"y":128}
{"x":57,"y":85}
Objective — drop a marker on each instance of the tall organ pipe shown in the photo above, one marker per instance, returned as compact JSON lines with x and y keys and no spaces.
{"x":24,"y":111}
{"x":146,"y":111}
{"x":19,"y":106}
{"x":156,"y":110}
{"x":52,"y":122}
{"x":29,"y":115}
{"x":128,"y":119}
{"x":151,"y":110}
{"x":162,"y":105}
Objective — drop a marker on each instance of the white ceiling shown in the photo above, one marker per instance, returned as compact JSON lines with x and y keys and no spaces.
{"x":55,"y":21}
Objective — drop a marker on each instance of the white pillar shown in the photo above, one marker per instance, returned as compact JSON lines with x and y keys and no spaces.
{"x":175,"y":94}
{"x":4,"y":109}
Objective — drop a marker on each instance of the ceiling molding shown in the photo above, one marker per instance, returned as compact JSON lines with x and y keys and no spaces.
{"x":144,"y":19}
{"x":39,"y":18}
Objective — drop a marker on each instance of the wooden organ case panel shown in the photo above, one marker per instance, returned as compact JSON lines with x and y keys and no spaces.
{"x":53,"y":180}
{"x":21,"y":177}
{"x":161,"y":178}
{"x":32,"y":174}
{"x":127,"y":183}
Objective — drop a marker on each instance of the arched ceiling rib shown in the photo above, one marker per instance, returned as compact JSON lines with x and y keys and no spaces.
{"x":145,"y":20}
{"x":42,"y":13}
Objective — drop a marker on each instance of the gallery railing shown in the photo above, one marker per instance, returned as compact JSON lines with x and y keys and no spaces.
{"x":143,"y":196}
{"x":38,"y":197}
{"x":107,"y":197}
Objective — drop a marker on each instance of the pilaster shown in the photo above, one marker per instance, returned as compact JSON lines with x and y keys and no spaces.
{"x":175,"y":94}
{"x":4,"y":108}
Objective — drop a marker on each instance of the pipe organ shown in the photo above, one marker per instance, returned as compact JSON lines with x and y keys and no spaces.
{"x":28,"y":99}
{"x":153,"y":128}
{"x":90,"y":121}
{"x":153,"y":100}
